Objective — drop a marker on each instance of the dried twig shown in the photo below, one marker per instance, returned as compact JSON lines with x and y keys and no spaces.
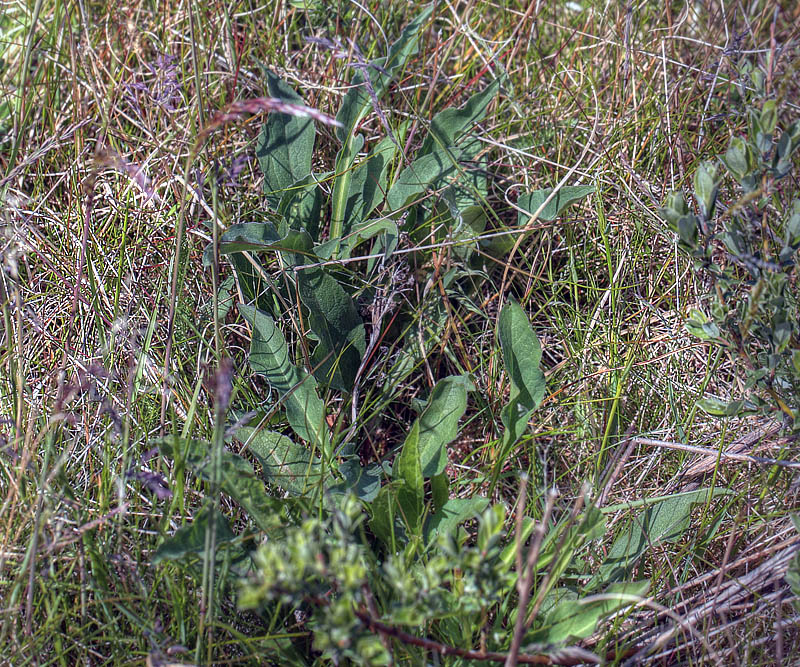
{"x":525,"y":578}
{"x":571,"y":655}
{"x":706,"y":451}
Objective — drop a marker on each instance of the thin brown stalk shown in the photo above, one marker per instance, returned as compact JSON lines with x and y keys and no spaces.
{"x":525,"y":580}
{"x":543,"y":588}
{"x":566,"y":656}
{"x":744,"y":458}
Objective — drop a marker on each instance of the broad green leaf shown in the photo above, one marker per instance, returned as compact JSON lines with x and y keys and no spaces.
{"x":423,"y":172}
{"x":521,"y":355}
{"x":706,"y":186}
{"x":440,"y":490}
{"x":736,"y":158}
{"x":761,"y":139}
{"x":407,"y":469}
{"x":661,"y":522}
{"x":758,"y":78}
{"x":237,"y":477}
{"x":364,"y":232}
{"x":368,"y":184}
{"x":714,"y":406}
{"x":191,"y":538}
{"x":718,"y":408}
{"x":334,"y":318}
{"x":286,"y":464}
{"x":687,"y":230}
{"x":300,"y":206}
{"x":385,"y":233}
{"x":701,"y":326}
{"x":674,"y":209}
{"x":454,"y":512}
{"x":244,"y":237}
{"x":769,"y":116}
{"x":577,"y":619}
{"x":257,"y":237}
{"x":438,"y":423}
{"x":384,"y":522}
{"x":285,"y":145}
{"x":297,"y":390}
{"x":260,"y":236}
{"x":342,"y":186}
{"x":448,"y":125}
{"x":357,"y":102}
{"x":530,"y":202}
{"x":364,"y":481}
{"x":737,"y":244}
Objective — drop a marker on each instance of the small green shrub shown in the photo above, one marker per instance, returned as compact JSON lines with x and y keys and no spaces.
{"x":746,"y":251}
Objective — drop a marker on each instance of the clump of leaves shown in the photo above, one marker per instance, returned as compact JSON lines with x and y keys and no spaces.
{"x":303,"y":258}
{"x":379,"y":556}
{"x":752,"y":310}
{"x":374,"y":196}
{"x":365,"y":547}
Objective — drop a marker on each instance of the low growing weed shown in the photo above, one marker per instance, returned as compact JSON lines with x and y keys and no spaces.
{"x":746,"y":248}
{"x":371,"y":554}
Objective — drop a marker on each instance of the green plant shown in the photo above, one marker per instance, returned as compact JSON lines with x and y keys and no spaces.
{"x":380,"y":530}
{"x":752,"y":309}
{"x":449,"y":161}
{"x":314,"y":271}
{"x":457,"y":593}
{"x":385,"y":567}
